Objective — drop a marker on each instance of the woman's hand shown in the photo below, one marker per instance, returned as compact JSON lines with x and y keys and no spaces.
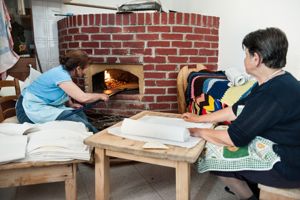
{"x":195,"y":132}
{"x":104,"y":97}
{"x":76,"y":105}
{"x":190,"y":117}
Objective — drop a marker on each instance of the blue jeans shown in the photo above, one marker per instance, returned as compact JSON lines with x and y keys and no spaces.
{"x":78,"y":117}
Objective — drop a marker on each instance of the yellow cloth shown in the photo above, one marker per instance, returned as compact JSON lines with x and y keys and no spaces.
{"x":233,"y":94}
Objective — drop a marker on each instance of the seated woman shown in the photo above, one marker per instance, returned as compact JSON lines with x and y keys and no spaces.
{"x":269,"y":111}
{"x":44,"y":99}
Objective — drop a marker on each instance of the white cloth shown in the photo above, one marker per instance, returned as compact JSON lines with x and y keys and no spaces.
{"x":236,"y":77}
{"x":8,"y":57}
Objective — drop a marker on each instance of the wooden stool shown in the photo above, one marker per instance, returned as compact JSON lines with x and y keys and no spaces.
{"x":271,"y":193}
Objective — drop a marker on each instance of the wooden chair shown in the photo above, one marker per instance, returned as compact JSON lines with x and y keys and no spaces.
{"x":182,"y":84}
{"x":267,"y":193}
{"x":28,"y":173}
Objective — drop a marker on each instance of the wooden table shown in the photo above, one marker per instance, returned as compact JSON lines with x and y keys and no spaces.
{"x":109,"y":145}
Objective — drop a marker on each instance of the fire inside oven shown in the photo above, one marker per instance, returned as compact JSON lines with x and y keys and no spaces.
{"x":113,"y":80}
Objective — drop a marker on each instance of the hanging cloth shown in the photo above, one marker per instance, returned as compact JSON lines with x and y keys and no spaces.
{"x":8,"y":58}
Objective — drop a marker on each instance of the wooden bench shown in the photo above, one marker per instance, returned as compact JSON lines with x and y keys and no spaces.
{"x":266,"y":193}
{"x":28,"y":173}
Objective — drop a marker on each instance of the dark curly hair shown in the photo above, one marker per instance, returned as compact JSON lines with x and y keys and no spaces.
{"x":270,"y":44}
{"x":74,"y":58}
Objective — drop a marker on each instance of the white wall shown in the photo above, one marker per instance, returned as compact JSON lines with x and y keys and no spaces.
{"x":237,"y":18}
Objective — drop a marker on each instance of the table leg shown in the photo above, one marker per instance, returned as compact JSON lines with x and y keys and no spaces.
{"x":182,"y":181}
{"x":101,"y":175}
{"x":71,"y":185}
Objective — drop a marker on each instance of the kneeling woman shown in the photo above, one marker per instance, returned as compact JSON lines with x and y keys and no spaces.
{"x":44,"y":99}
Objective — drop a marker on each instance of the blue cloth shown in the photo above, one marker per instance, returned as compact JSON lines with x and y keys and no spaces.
{"x":44,"y":100}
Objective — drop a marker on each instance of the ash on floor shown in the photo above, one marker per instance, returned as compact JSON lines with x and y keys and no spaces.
{"x":102,"y":121}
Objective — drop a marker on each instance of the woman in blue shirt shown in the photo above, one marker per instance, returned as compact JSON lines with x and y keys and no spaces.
{"x":271,"y":111}
{"x":45,"y":98}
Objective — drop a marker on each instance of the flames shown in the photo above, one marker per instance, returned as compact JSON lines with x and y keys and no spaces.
{"x":112,"y":83}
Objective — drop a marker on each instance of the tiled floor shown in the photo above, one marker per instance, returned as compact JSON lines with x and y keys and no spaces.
{"x":131,"y":181}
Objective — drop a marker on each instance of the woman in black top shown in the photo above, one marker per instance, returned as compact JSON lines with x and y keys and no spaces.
{"x":270,"y":111}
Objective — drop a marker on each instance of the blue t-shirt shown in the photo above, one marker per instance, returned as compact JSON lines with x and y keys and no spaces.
{"x":46,"y":85}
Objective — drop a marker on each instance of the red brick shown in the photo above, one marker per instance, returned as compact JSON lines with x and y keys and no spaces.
{"x":111,"y":60}
{"x":142,"y":51}
{"x":201,"y":44}
{"x":104,"y":19}
{"x":207,"y":52}
{"x":98,"y":19}
{"x":166,"y":51}
{"x":81,"y":37}
{"x":172,"y":75}
{"x":148,"y":99}
{"x":125,"y":19}
{"x":171,"y":36}
{"x":141,"y":18}
{"x":209,"y":21}
{"x":91,"y":19}
{"x":158,"y":44}
{"x":88,"y":51}
{"x":111,"y":44}
{"x":171,"y":18}
{"x":166,"y":67}
{"x":182,"y":44}
{"x":134,"y":29}
{"x":194,"y":37}
{"x":85,"y":20}
{"x":118,"y":19}
{"x":129,"y":60}
{"x":155,"y":90}
{"x":204,"y":20}
{"x":79,"y":20}
{"x":166,"y":98}
{"x":179,"y":18}
{"x":156,"y":18}
{"x":182,"y":29}
{"x":216,"y":22}
{"x":147,"y":36}
{"x":193,"y":19}
{"x":68,"y":38}
{"x":100,"y":37}
{"x":199,"y":20}
{"x":198,"y":59}
{"x":132,"y":97}
{"x":150,"y":83}
{"x":173,"y":59}
{"x":134,"y":44}
{"x":148,"y":67}
{"x":214,"y":45}
{"x":215,"y":31}
{"x":166,"y":83}
{"x":119,"y":51}
{"x":155,"y":75}
{"x":111,"y":30}
{"x":64,"y":45}
{"x":132,"y":19}
{"x":164,"y":18}
{"x":186,"y":18}
{"x":90,"y":30}
{"x":204,"y":31}
{"x":101,"y":51}
{"x":73,"y":30}
{"x":172,"y":90}
{"x":111,"y":19}
{"x":188,"y":52}
{"x":74,"y":21}
{"x":122,"y":37}
{"x":154,"y":59}
{"x":159,"y":29}
{"x":97,"y":60}
{"x":212,"y":59}
{"x":158,"y":106}
{"x":90,"y":44}
{"x":148,"y":20}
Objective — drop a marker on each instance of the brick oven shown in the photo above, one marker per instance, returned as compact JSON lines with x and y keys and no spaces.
{"x":148,"y":49}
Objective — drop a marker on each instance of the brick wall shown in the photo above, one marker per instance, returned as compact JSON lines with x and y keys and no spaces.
{"x":161,"y":42}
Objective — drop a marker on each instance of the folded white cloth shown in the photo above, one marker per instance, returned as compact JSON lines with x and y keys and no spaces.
{"x":236,"y":77}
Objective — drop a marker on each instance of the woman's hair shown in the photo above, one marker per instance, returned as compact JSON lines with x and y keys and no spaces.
{"x":270,"y":44}
{"x":73,"y":59}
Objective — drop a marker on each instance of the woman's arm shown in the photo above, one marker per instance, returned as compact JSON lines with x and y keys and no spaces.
{"x":219,"y":137}
{"x":225,"y":114}
{"x":76,"y":93}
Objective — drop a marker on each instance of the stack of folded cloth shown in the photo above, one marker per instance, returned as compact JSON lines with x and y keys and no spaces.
{"x":236,"y":77}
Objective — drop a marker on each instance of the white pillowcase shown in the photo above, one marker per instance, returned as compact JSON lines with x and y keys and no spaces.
{"x":8,"y":91}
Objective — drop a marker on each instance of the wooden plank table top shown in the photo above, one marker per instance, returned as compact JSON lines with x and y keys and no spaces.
{"x":107,"y":141}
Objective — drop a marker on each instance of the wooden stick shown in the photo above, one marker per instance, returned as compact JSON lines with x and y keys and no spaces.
{"x":90,"y":5}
